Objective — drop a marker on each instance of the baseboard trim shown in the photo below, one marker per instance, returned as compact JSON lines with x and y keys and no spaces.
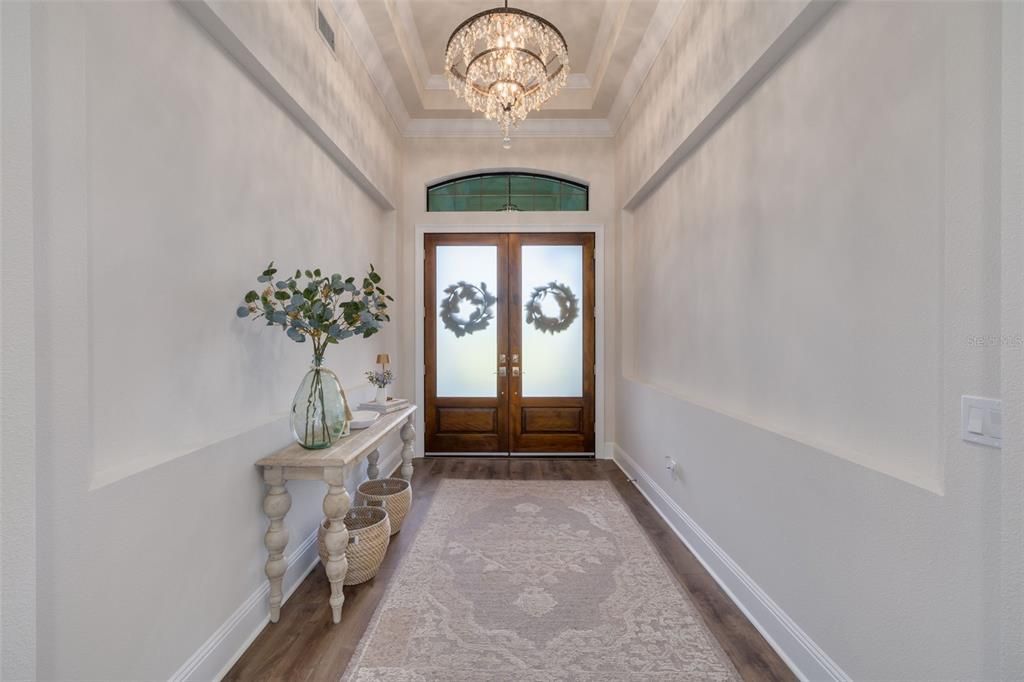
{"x":210,"y":662}
{"x":806,"y":659}
{"x":214,"y":658}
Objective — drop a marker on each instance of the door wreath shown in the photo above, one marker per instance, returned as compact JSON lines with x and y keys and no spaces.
{"x":568,"y":307}
{"x":483,"y":311}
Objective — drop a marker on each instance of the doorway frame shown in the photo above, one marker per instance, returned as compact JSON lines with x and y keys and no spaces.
{"x":598,"y":229}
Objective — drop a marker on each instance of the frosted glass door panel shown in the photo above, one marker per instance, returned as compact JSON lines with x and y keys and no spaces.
{"x":466,"y":364}
{"x":552,"y":361}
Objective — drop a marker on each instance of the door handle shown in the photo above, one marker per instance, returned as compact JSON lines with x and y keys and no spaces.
{"x":515,"y":371}
{"x":502,"y":372}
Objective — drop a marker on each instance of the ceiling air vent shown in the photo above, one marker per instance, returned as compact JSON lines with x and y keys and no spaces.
{"x":324,"y":26}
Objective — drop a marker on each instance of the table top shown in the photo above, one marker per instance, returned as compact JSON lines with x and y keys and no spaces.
{"x":346,"y":450}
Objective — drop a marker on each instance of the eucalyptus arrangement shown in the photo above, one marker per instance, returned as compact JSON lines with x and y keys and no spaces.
{"x":325,"y":309}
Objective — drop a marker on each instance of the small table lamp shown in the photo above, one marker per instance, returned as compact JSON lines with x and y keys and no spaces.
{"x":383,"y":359}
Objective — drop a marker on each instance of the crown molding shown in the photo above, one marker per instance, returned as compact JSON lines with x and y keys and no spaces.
{"x":608,"y":33}
{"x":436,"y":81}
{"x":662,"y":23}
{"x":358,"y":30}
{"x":409,"y":42}
{"x":251,"y":56}
{"x":578,"y":81}
{"x":482,"y":128}
{"x":763,"y":61}
{"x":353,"y":21}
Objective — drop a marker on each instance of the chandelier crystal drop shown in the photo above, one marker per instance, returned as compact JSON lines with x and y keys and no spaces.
{"x":506,"y":63}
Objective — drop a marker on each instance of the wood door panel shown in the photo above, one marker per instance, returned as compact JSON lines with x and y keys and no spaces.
{"x":552,"y":420}
{"x":464,"y":442}
{"x":452,"y":420}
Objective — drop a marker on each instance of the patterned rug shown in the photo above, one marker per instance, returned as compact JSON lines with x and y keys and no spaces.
{"x":532,"y":581}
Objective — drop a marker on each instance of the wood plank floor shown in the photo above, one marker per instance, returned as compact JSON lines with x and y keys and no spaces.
{"x":304,"y":645}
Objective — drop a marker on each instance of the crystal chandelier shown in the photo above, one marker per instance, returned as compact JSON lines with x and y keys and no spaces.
{"x":506,"y":63}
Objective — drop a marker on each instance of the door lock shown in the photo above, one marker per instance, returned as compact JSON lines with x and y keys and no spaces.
{"x":503,"y":372}
{"x":515,"y":371}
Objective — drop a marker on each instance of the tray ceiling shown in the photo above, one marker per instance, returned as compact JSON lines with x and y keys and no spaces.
{"x":612,"y":44}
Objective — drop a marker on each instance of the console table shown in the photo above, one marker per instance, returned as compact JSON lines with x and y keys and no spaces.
{"x":329,"y":465}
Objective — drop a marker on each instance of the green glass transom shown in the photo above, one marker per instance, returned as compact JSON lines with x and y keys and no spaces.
{"x":507,"y":192}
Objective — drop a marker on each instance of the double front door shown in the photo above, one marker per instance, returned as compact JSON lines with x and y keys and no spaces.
{"x":509,"y":343}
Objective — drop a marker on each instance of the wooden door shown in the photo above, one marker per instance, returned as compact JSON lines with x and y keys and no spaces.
{"x":509,"y":343}
{"x":465,"y":336}
{"x":551,"y":341}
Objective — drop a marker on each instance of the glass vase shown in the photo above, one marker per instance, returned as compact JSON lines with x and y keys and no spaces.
{"x":320,"y":412}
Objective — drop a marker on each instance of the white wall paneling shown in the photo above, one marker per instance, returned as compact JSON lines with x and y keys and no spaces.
{"x":831,"y":252}
{"x":273,"y":43}
{"x":796,"y":648}
{"x":167,"y":176}
{"x":716,"y":53}
{"x":214,"y":658}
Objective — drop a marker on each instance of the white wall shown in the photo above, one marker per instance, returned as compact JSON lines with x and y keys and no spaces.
{"x":166,"y":179}
{"x":332,"y":95}
{"x":428,"y":160}
{"x":1012,"y":334}
{"x":820,"y":262}
{"x":17,"y":350}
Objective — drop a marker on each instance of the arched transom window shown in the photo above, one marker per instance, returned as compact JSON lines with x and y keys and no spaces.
{"x":507,"y":192}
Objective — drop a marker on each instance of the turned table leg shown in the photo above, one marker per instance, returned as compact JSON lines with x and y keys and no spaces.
{"x":336,"y":505}
{"x":275,"y":505}
{"x":371,"y":464}
{"x":408,"y":437}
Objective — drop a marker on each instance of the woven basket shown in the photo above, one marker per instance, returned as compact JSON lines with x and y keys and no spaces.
{"x":394,"y":493}
{"x":369,"y":533}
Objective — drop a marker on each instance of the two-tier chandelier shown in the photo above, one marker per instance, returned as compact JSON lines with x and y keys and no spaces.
{"x":506,"y":63}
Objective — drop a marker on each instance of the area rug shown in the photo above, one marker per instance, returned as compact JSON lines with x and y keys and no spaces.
{"x":531,"y":581}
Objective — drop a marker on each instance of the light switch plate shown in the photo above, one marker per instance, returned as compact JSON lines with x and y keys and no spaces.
{"x":981,"y":420}
{"x":976,"y":421}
